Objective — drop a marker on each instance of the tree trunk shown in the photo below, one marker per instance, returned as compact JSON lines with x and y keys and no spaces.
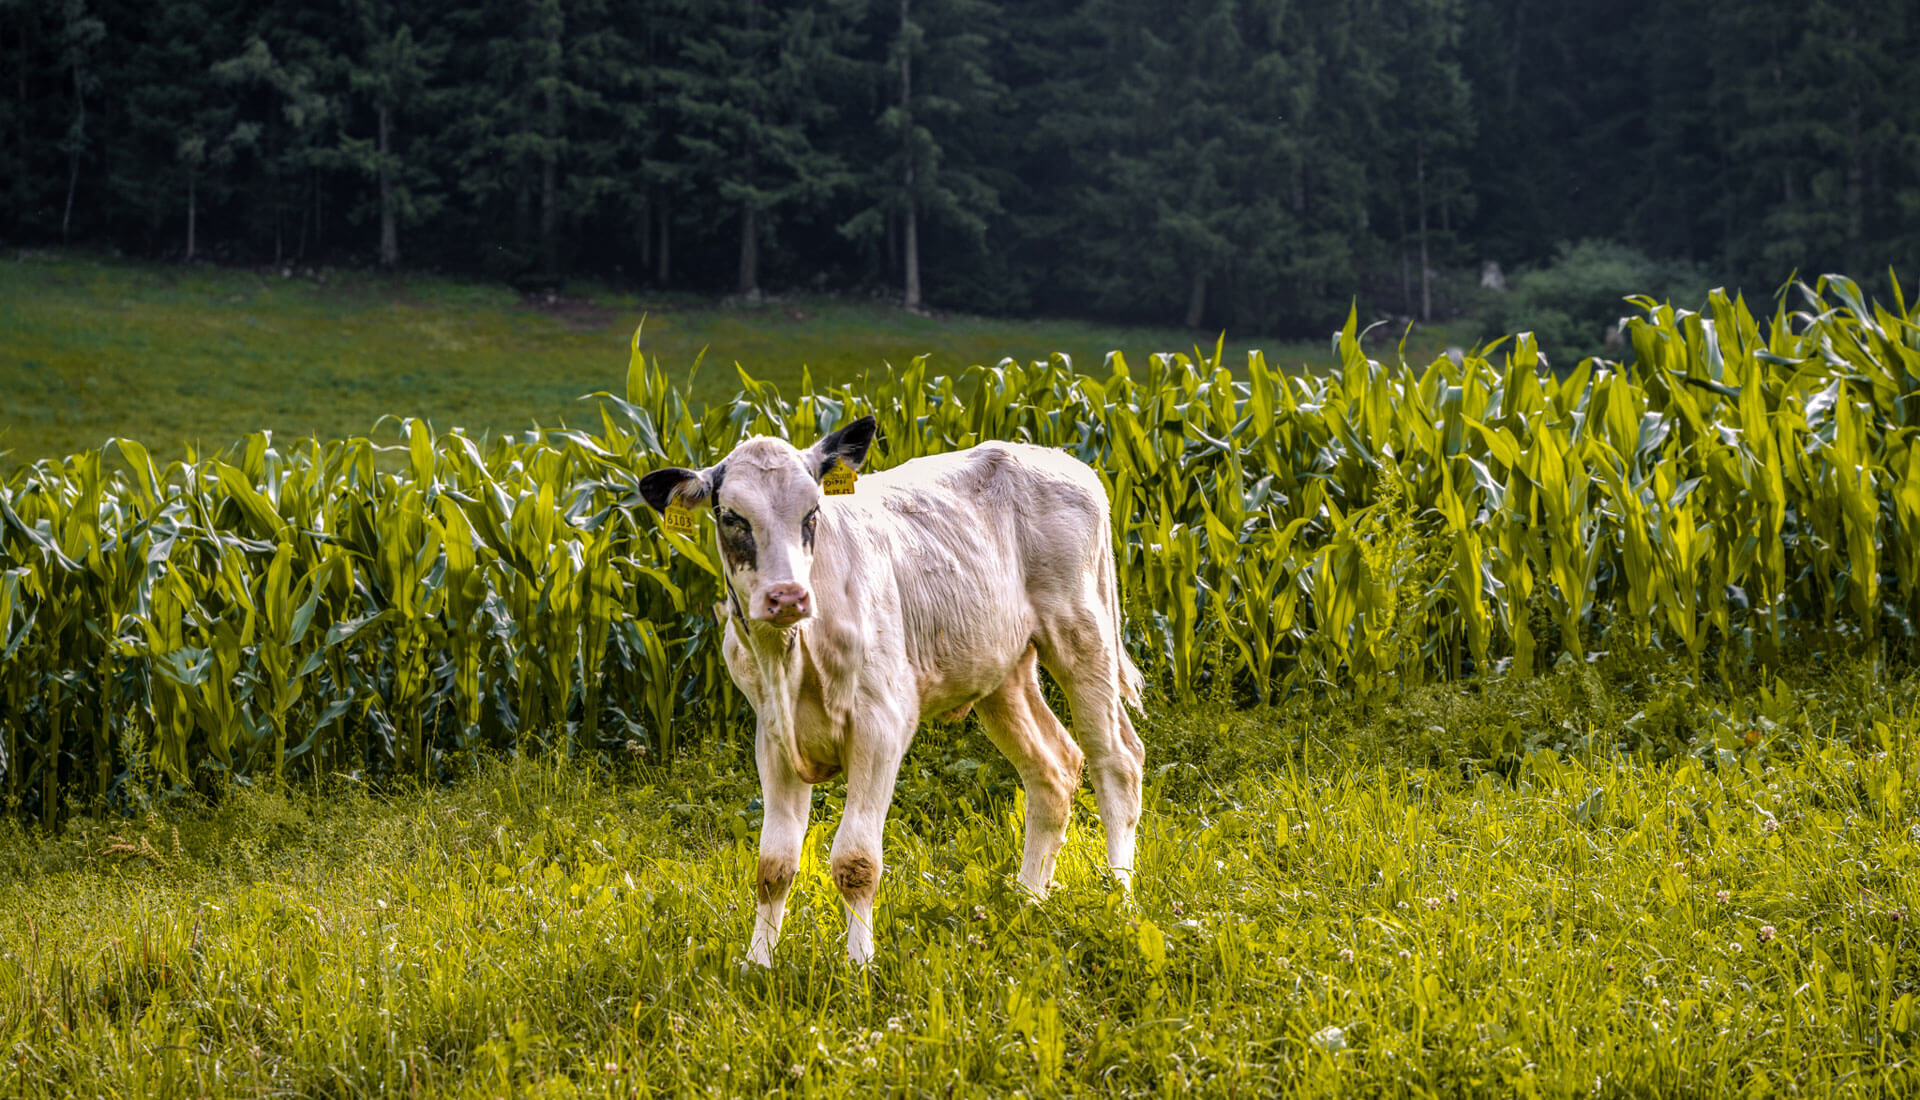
{"x":1514,"y":54}
{"x":522,"y":187}
{"x":749,"y":281}
{"x":646,"y":234}
{"x":1426,"y":280}
{"x":892,"y":247}
{"x":21,"y":114}
{"x":910,"y":248}
{"x":549,"y":218}
{"x":1856,"y":184}
{"x":1197,"y":299}
{"x":389,"y":231}
{"x":909,"y":229}
{"x":663,"y":251}
{"x":749,"y":249}
{"x":193,"y":212}
{"x":73,"y":150}
{"x":550,"y":165}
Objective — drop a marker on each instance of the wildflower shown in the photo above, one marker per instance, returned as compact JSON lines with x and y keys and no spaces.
{"x":1767,"y":932}
{"x":1723,"y":896}
{"x":1770,"y":824}
{"x":1452,"y":895}
{"x":1405,"y":954}
{"x":1735,"y":946}
{"x":1178,"y":908}
{"x":979,"y":912}
{"x":797,"y":1070}
{"x":868,"y":1062}
{"x":1650,"y":982}
{"x":1330,"y":1039}
{"x":1400,"y":905}
{"x":1346,"y":954}
{"x":1433,"y":903}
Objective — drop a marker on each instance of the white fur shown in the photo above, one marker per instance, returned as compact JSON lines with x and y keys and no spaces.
{"x":934,"y":587}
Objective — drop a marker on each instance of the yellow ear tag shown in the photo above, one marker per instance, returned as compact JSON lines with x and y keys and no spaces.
{"x":679,"y":517}
{"x":839,"y":480}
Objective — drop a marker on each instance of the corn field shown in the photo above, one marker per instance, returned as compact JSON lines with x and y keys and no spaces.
{"x":350,"y":607}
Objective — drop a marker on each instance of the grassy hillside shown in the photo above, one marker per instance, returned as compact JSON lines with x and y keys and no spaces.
{"x":1331,"y":902}
{"x":169,"y":355}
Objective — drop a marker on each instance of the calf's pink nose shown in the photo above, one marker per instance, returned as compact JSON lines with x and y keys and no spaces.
{"x":787,"y":603}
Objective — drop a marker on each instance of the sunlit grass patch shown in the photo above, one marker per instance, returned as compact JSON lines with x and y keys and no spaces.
{"x":1306,"y":924}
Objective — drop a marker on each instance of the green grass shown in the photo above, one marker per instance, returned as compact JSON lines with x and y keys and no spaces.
{"x":1332,"y":900}
{"x":171,"y":355}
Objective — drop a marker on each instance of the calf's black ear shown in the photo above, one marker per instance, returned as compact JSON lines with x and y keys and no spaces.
{"x":663,"y":487}
{"x":846,"y":445}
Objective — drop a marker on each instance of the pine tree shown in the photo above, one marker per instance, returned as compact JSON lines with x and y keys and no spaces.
{"x":390,"y":73}
{"x":939,"y":87}
{"x":749,"y":97}
{"x":80,"y":36}
{"x":280,"y":93}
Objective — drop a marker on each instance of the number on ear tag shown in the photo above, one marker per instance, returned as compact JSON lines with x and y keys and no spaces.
{"x":839,"y":480}
{"x":679,"y":517}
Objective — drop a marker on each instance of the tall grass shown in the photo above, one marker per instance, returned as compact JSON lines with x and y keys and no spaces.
{"x":1306,"y":923}
{"x":362,"y":608}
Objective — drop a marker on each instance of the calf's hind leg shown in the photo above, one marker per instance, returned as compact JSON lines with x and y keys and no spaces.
{"x":1083,"y":655}
{"x":1026,"y":732}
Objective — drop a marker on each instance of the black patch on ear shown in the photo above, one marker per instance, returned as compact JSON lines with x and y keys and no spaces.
{"x":847,"y":445}
{"x":657,"y":488}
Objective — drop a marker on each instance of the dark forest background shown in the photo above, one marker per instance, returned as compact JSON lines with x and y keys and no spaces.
{"x":1250,"y":165}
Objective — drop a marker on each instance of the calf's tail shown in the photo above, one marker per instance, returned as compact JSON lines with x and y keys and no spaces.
{"x":1132,"y":683}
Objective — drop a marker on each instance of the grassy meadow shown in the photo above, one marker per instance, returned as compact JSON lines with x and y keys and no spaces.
{"x":93,"y":348}
{"x":1481,"y":761}
{"x":1333,"y":900}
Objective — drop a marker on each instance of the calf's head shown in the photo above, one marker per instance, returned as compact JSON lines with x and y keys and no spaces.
{"x":765,"y":499}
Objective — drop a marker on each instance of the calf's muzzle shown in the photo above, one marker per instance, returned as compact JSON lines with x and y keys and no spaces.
{"x":786,"y":604}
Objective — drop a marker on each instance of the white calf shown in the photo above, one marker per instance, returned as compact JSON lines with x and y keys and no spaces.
{"x":933,"y":588}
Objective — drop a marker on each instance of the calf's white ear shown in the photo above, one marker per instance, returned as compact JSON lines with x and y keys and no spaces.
{"x":845,"y":445}
{"x":673,"y":485}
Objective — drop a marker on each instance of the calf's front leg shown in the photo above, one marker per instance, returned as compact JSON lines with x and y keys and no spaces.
{"x":787,"y":799}
{"x":871,"y":772}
